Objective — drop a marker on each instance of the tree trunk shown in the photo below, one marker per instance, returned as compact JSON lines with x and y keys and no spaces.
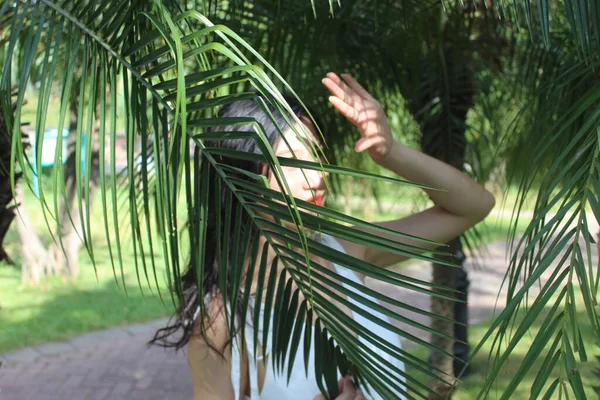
{"x":446,"y":276}
{"x":66,"y":257}
{"x":35,"y":256}
{"x":6,"y":196}
{"x":443,"y":137}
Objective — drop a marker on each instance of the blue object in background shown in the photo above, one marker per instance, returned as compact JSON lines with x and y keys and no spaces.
{"x":49,"y":143}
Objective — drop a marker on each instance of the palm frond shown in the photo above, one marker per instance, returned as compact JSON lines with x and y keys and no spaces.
{"x":173,"y":80}
{"x":556,"y":155}
{"x":545,"y":20}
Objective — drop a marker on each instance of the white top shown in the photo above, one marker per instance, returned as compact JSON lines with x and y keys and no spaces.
{"x":301,"y":386}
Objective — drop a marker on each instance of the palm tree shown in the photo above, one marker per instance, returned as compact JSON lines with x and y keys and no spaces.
{"x":6,"y":193}
{"x":64,"y":253}
{"x":559,"y":85}
{"x":175,"y":68}
{"x":172,"y":79}
{"x":444,"y":94}
{"x":435,"y":67}
{"x":552,"y":154}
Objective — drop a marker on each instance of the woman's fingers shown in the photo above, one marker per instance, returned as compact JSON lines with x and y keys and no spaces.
{"x":368,"y":142}
{"x":334,"y":88}
{"x":339,"y":82}
{"x":347,"y":389}
{"x":339,"y":88}
{"x":357,"y":87}
{"x":349,"y":393}
{"x":346,"y":386}
{"x":345,"y":382}
{"x":345,"y":109}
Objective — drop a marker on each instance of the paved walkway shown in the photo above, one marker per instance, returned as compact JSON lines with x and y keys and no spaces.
{"x":112,"y":364}
{"x":116,"y":364}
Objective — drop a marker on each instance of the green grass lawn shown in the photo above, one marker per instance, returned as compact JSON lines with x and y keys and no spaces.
{"x":59,"y":309}
{"x":480,"y":366}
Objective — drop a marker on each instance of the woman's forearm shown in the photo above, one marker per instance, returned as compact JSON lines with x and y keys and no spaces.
{"x":458,"y":194}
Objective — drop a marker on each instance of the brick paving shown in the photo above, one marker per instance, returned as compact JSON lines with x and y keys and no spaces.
{"x":116,"y":363}
{"x":112,"y":364}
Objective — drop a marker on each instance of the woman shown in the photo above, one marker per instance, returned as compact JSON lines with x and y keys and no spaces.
{"x":222,"y":374}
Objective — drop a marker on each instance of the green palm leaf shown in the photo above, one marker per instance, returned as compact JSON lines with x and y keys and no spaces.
{"x":555,"y":155}
{"x":540,"y":18}
{"x":172,"y":79}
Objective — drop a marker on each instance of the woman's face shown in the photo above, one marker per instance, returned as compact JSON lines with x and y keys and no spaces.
{"x":305,"y":184}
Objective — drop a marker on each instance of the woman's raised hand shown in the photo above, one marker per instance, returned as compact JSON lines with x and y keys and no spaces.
{"x":364,"y":111}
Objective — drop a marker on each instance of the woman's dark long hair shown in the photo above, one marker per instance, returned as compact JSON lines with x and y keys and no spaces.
{"x":182,"y":323}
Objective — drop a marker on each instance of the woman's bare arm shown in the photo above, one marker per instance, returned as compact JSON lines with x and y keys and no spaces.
{"x":459,"y":203}
{"x":211,"y":371}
